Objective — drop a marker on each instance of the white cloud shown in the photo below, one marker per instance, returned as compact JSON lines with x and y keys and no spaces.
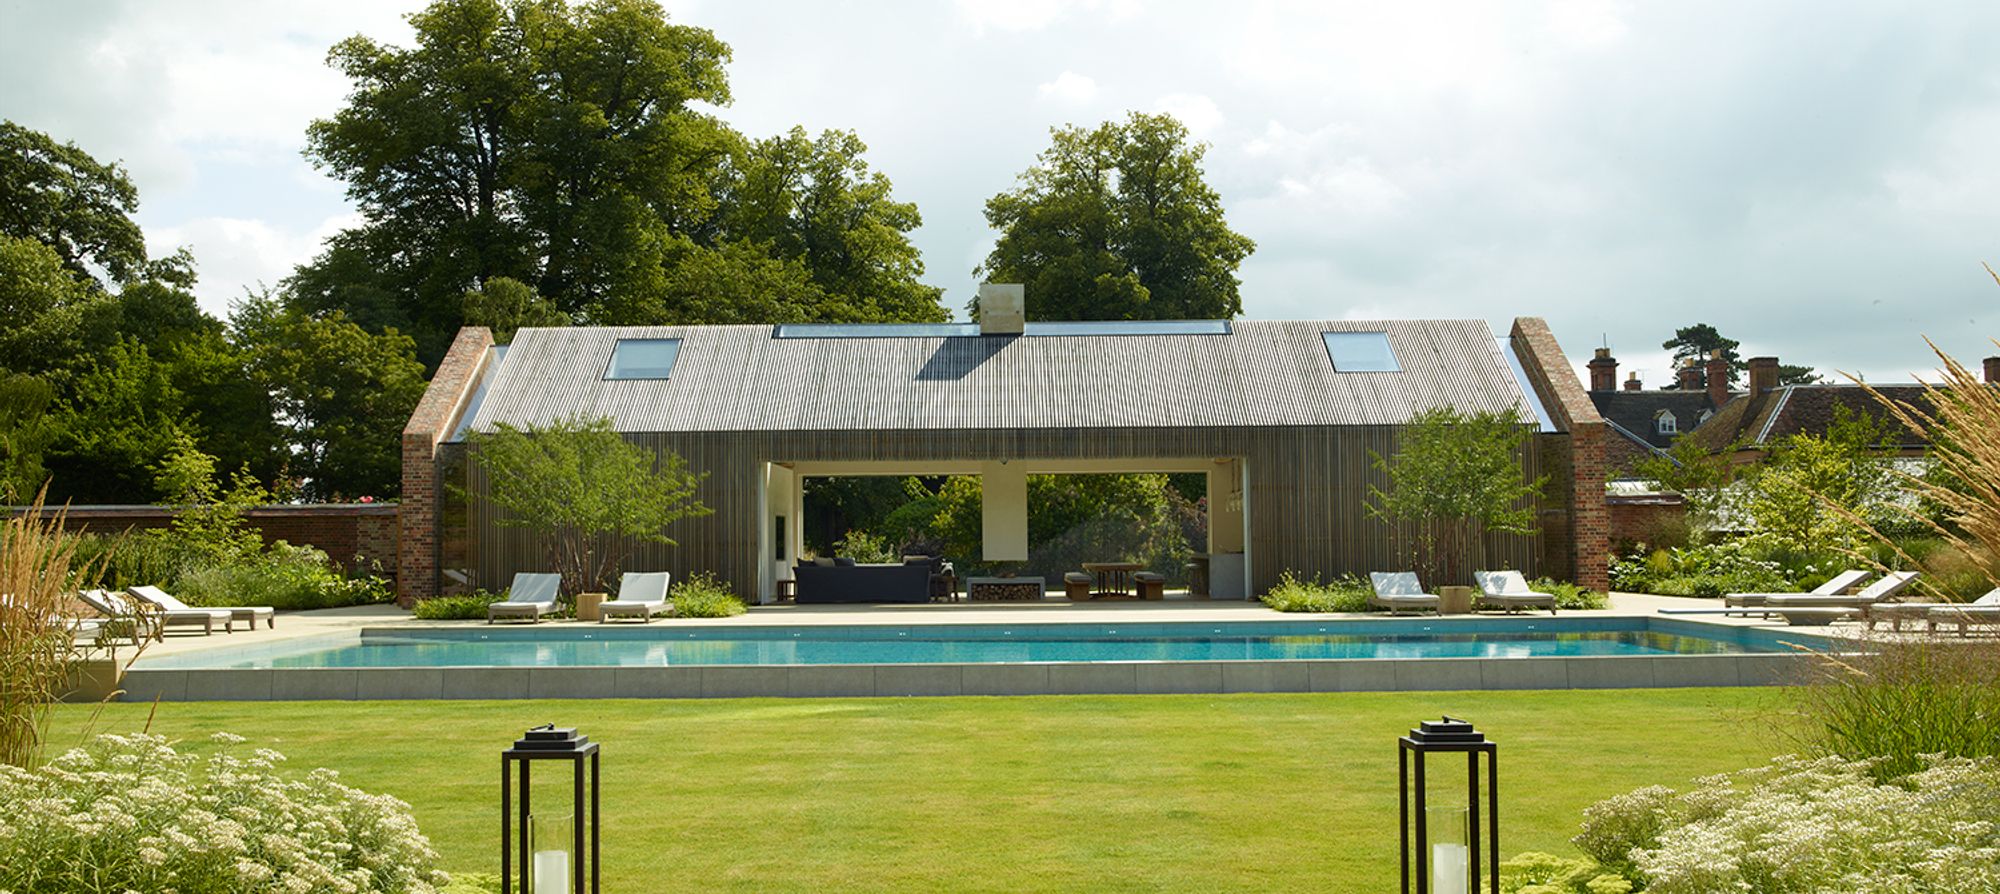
{"x":1011,"y":15}
{"x":1587,"y":24}
{"x":1069,"y":88}
{"x":1821,"y":192}
{"x":1195,"y":110}
{"x":235,"y":256}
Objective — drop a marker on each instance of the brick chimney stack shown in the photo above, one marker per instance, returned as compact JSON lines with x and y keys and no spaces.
{"x":1688,"y":377}
{"x":1763,"y":374}
{"x":1993,"y":370}
{"x":1718,"y":378}
{"x":1603,"y":371}
{"x":1632,"y":382}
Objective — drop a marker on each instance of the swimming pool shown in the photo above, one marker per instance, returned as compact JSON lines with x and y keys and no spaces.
{"x":579,"y":646}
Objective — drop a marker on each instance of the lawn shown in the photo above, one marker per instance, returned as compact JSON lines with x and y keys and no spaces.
{"x":1097,"y":793}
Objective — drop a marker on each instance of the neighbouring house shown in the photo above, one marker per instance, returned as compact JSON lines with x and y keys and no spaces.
{"x":1283,"y":418}
{"x":1748,"y":426}
{"x":1644,"y":421}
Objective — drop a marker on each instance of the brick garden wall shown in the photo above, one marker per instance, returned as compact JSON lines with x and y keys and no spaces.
{"x":343,"y":530}
{"x":1634,"y":518}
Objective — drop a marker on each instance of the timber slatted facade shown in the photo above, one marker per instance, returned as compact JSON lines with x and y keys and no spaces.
{"x":742,"y":403}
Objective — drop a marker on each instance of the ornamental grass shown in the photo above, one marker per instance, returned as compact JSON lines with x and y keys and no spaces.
{"x":38,"y":570}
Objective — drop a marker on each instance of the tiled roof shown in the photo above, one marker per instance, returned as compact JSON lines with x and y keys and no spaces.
{"x":1633,"y":413}
{"x":1794,"y":409}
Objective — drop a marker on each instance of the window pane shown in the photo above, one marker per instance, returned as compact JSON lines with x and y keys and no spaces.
{"x":1361,"y":352}
{"x":643,"y":358}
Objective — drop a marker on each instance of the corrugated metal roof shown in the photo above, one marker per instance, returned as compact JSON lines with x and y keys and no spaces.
{"x":740,"y":378}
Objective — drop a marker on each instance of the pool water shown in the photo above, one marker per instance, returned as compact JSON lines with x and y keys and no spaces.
{"x":662,"y":645}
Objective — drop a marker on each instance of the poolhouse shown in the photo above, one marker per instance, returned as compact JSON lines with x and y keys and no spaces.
{"x":1281,"y":417}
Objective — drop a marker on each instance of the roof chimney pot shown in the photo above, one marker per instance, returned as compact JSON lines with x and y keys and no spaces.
{"x":1763,"y":374}
{"x":1603,"y":371}
{"x":1993,"y":370}
{"x":1688,"y":377}
{"x":1632,"y":383}
{"x":1718,"y":378}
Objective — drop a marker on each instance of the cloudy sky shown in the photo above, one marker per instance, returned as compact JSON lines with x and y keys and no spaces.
{"x":1815,"y":179}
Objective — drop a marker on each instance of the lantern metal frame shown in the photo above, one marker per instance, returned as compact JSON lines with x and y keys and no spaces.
{"x":548,"y":742}
{"x":1448,"y":736}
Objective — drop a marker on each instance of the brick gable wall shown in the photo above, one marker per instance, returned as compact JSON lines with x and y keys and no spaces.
{"x":1554,"y":380}
{"x":431,"y":423}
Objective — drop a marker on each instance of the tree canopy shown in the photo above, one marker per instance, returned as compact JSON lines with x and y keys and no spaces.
{"x":107,"y":377}
{"x":566,"y":147}
{"x":1697,"y":342}
{"x":56,"y":194}
{"x":1454,"y":477}
{"x":594,"y":493}
{"x":1117,"y":223}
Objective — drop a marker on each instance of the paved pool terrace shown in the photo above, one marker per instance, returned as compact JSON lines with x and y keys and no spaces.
{"x":196,"y":668}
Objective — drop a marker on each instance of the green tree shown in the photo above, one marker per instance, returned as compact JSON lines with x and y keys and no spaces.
{"x":1117,"y":223}
{"x":1698,"y":343}
{"x":208,"y":526}
{"x":26,"y":429}
{"x":565,"y":147}
{"x":1703,"y":479}
{"x":1074,"y":519}
{"x":505,"y":305}
{"x":119,"y":415}
{"x":342,"y":395}
{"x":594,"y":493}
{"x":816,"y":202}
{"x":42,"y":304}
{"x":1794,"y":374}
{"x":1455,"y":477}
{"x":56,"y":194}
{"x":1806,"y":492}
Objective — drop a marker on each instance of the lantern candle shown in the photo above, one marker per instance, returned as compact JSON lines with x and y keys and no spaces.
{"x":1449,"y":854}
{"x":552,"y":873}
{"x":549,"y":838}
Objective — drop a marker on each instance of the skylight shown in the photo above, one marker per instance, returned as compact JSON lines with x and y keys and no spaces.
{"x":1034,"y":329}
{"x":643,"y":358}
{"x":1361,"y":352}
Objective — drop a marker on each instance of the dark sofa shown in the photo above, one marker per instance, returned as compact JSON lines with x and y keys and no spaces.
{"x":862,"y":583}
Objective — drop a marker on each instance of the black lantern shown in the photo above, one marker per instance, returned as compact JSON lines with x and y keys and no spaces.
{"x":548,"y":847}
{"x":1448,"y":842}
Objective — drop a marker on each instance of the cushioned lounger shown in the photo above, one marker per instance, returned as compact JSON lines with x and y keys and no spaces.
{"x":531,"y":596}
{"x":640,"y":595}
{"x":1399,"y":591}
{"x":1834,"y":586}
{"x":248,"y":614}
{"x":1509,"y":590}
{"x":113,"y":605}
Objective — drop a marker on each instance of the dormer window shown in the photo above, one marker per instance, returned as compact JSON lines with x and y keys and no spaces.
{"x":1666,"y":424}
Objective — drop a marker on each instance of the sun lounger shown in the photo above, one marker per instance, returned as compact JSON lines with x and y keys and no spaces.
{"x":1898,"y":612}
{"x":1984,"y":610}
{"x":1885,"y":589}
{"x":114,"y":605}
{"x":640,"y":594}
{"x":531,"y":597}
{"x":1509,"y":590}
{"x":1399,"y":591}
{"x":1834,"y":586}
{"x":248,"y":614}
